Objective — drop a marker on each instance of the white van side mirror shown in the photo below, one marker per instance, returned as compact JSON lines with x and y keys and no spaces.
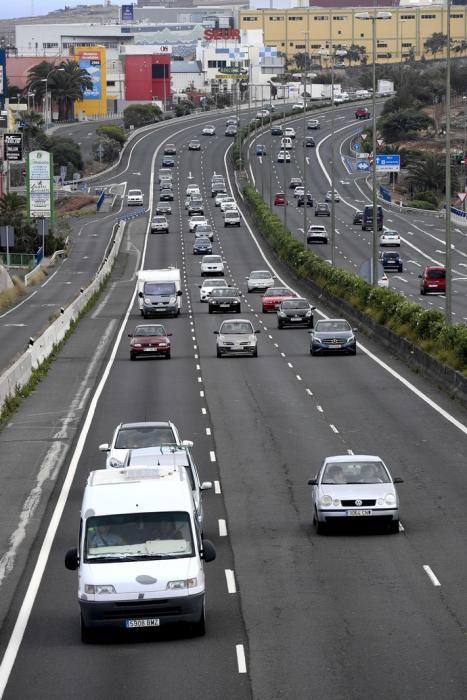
{"x":105,"y":447}
{"x":205,"y":486}
{"x":71,"y":559}
{"x":187,"y":443}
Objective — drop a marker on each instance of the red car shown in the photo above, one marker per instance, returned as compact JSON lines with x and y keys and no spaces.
{"x":433,"y":279}
{"x":274,"y":296}
{"x":280,"y":199}
{"x":362,"y":113}
{"x":149,"y":340}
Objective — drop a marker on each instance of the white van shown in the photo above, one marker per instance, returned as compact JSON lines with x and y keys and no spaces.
{"x":286,"y":142}
{"x":160,"y":292}
{"x":140,"y":553}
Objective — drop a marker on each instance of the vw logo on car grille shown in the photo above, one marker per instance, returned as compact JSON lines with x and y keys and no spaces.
{"x":358,"y":502}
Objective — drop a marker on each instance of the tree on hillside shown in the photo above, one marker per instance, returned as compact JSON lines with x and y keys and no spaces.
{"x":436,"y":43}
{"x":427,"y":173}
{"x":68,"y":86}
{"x":403,"y":124}
{"x":141,"y":114}
{"x":356,"y":53}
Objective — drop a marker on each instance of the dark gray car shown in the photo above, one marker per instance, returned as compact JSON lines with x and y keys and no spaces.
{"x":295,"y":312}
{"x":332,"y":335}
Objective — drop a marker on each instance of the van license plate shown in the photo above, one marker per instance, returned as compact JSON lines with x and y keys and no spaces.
{"x":150,"y":622}
{"x":356,"y":513}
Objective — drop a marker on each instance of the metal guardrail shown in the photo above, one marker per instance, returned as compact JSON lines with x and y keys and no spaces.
{"x":130,"y":215}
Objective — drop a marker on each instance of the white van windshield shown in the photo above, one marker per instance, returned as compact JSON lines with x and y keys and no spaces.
{"x":162,"y":289}
{"x":138,"y":536}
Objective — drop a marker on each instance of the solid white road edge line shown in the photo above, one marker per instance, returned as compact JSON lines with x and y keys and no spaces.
{"x":230,"y":579}
{"x":222,"y":528}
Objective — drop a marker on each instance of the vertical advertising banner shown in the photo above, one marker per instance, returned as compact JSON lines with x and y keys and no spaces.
{"x":127,"y":13}
{"x":3,"y":82}
{"x":91,"y":61}
{"x":39,"y":185}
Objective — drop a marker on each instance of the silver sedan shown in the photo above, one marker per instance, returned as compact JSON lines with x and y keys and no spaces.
{"x":354,"y":487}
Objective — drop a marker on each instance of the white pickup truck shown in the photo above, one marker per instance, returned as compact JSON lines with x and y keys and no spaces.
{"x":135,"y":198}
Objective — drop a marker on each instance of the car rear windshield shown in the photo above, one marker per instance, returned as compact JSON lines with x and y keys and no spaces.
{"x":436,"y":274}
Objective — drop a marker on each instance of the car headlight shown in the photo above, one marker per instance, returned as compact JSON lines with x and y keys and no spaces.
{"x":182,"y":584}
{"x":136,"y":345}
{"x":316,"y":339}
{"x":326,"y":501}
{"x":282,"y":314}
{"x":114,"y":462}
{"x":147,"y":300}
{"x":163,"y":345}
{"x":99,"y":589}
{"x":350,"y":339}
{"x":172,"y":300}
{"x":308,"y":314}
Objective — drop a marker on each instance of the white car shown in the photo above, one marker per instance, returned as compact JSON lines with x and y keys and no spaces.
{"x":129,"y":436}
{"x":298,"y":106}
{"x":283,"y":156}
{"x":212,"y":265}
{"x":232,"y":218}
{"x":259,"y":279}
{"x":313,"y":124}
{"x":354,"y":487}
{"x":229,"y":206}
{"x":135,"y":197}
{"x":389,"y":237}
{"x":219,"y":198}
{"x":209,"y":130}
{"x":225,"y":202}
{"x":195,"y":220}
{"x":318,"y":233}
{"x":290,"y":132}
{"x":237,"y":337}
{"x":298,"y":191}
{"x":192,"y":189}
{"x":208,"y":285}
{"x":328,"y":198}
{"x":262,"y":113}
{"x":159,"y":224}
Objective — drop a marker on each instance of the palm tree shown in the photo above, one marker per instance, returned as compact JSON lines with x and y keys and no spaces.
{"x":427,"y":173}
{"x":36,"y":79}
{"x":70,"y":85}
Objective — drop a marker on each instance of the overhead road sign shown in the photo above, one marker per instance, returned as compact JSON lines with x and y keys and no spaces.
{"x":388,"y":163}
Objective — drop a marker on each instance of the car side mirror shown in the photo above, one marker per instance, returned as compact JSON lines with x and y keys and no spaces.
{"x":169,"y":334}
{"x":310,"y":332}
{"x":187,"y":443}
{"x":312,"y":482}
{"x":130,"y":335}
{"x":105,"y":447}
{"x":205,"y":486}
{"x":313,"y":308}
{"x":355,"y":330}
{"x":208,"y":552}
{"x":258,"y":331}
{"x":216,"y":332}
{"x":140,"y":295}
{"x":239,"y":294}
{"x":179,"y":293}
{"x":420,"y":276}
{"x":71,"y":559}
{"x":398,"y":480}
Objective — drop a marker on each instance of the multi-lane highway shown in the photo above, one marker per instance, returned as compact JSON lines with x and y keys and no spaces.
{"x":290,"y":614}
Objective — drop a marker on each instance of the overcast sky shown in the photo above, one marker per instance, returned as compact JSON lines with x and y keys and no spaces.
{"x":29,"y":8}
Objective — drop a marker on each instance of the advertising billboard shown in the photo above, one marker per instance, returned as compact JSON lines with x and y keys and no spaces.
{"x":39,"y":184}
{"x":3,"y":83}
{"x":127,"y":13}
{"x":13,"y":147}
{"x":93,"y":60}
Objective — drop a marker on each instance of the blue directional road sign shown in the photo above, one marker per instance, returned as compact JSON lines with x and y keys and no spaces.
{"x":356,"y":147}
{"x":363,"y":165}
{"x":388,"y":163}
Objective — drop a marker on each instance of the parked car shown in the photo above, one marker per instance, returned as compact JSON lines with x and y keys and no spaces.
{"x":237,"y":338}
{"x":322,"y":209}
{"x":332,"y":335}
{"x":348,"y":488}
{"x":295,"y":312}
{"x":433,"y":280}
{"x":149,"y":340}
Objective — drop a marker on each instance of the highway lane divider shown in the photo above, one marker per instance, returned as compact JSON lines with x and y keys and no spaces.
{"x":14,"y":381}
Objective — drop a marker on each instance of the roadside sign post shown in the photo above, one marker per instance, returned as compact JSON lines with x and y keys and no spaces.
{"x":388,"y":163}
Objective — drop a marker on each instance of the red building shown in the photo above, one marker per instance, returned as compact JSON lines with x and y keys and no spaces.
{"x":147,"y":76}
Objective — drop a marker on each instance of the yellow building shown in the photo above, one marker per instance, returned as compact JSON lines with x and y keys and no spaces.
{"x":398,"y":38}
{"x":93,"y":59}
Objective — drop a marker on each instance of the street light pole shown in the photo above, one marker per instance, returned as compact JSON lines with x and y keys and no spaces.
{"x":333,"y":170}
{"x":372,"y":18}
{"x":307,"y":62}
{"x":448,"y":303}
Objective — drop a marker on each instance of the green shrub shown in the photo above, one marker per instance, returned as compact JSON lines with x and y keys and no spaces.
{"x":429,"y":196}
{"x":422,"y":204}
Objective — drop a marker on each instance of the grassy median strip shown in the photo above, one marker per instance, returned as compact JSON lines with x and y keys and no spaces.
{"x":425,"y":328}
